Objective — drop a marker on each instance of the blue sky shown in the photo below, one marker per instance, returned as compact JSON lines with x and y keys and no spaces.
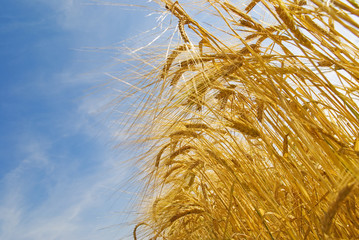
{"x":59,"y":177}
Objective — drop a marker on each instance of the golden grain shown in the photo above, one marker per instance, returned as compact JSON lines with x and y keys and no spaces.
{"x":244,"y":128}
{"x":334,"y":206}
{"x":180,"y":215}
{"x":290,"y":23}
{"x":170,"y":60}
{"x":180,"y":151}
{"x":182,"y":31}
{"x":184,"y":133}
{"x":196,"y":125}
{"x":260,"y":125}
{"x":251,"y":5}
{"x":285,"y":145}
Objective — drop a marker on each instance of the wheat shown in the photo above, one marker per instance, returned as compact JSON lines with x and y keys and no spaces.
{"x":254,"y":131}
{"x":180,"y":215}
{"x":290,"y":23}
{"x":333,"y":208}
{"x":184,"y":133}
{"x":170,"y":60}
{"x":182,"y":150}
{"x":196,"y":125}
{"x":285,"y":145}
{"x":244,"y":128}
{"x":182,"y":31}
{"x":251,"y":5}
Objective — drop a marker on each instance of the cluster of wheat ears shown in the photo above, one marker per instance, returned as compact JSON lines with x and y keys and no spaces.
{"x":254,"y":122}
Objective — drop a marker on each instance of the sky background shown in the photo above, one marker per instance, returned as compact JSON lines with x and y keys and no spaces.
{"x":59,"y":175}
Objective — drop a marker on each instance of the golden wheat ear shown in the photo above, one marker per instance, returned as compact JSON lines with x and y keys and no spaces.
{"x":253,"y":121}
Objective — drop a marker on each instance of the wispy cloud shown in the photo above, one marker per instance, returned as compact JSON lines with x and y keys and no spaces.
{"x":74,"y":205}
{"x":64,"y":182}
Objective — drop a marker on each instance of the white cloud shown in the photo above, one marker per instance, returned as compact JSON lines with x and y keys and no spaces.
{"x":53,"y":194}
{"x":75,"y":207}
{"x":10,"y":215}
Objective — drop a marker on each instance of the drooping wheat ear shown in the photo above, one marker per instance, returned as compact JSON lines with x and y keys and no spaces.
{"x":290,"y":23}
{"x":244,"y":128}
{"x":320,"y":30}
{"x":182,"y":31}
{"x":170,"y":60}
{"x":180,"y":151}
{"x":335,"y":205}
{"x":247,"y":18}
{"x":251,"y":5}
{"x":197,"y":125}
{"x":159,"y":155}
{"x":260,"y":111}
{"x":184,"y":133}
{"x":285,"y":145}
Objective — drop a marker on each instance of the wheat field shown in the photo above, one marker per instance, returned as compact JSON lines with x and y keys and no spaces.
{"x":252,"y":117}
